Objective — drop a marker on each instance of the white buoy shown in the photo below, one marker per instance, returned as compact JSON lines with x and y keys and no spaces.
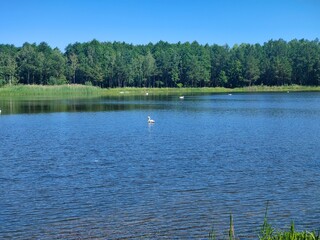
{"x":150,"y":120}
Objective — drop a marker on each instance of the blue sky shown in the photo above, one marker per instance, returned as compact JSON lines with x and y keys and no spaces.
{"x":60,"y":22}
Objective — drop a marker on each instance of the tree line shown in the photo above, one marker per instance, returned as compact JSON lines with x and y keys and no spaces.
{"x":119,"y":64}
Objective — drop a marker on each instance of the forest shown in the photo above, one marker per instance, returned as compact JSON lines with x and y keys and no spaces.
{"x":163,"y":64}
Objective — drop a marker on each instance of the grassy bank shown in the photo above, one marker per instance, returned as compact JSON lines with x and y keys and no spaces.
{"x":289,"y":88}
{"x":40,"y":90}
{"x":83,"y":91}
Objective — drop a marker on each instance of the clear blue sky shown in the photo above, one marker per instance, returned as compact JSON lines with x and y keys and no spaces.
{"x":60,"y":22}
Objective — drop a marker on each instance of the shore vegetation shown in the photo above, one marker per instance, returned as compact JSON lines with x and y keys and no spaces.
{"x":92,"y":91}
{"x":267,"y":232}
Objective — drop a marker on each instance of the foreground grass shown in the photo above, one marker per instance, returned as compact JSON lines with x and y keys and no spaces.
{"x":267,"y":232}
{"x":81,"y":90}
{"x":271,"y":234}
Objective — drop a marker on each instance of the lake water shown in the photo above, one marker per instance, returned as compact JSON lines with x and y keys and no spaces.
{"x":94,"y":168}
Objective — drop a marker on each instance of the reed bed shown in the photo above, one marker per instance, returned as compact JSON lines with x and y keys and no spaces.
{"x":40,"y":90}
{"x":83,"y":90}
{"x":285,"y":88}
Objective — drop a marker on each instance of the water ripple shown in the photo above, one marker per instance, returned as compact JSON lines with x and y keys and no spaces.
{"x":108,"y":175}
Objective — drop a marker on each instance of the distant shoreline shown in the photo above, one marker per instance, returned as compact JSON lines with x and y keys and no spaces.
{"x":90,"y":91}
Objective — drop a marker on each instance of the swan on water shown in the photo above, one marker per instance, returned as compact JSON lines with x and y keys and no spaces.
{"x":150,"y":120}
{"x":181,"y":97}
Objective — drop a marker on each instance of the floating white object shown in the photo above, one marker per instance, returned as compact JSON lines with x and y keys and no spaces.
{"x":150,"y":120}
{"x":181,"y":97}
{"x":230,"y":94}
{"x":147,"y":94}
{"x":0,"y":111}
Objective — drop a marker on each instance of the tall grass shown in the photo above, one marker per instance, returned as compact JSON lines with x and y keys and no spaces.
{"x":82,"y":90}
{"x":291,"y":234}
{"x":40,"y":90}
{"x":231,"y":228}
{"x":285,"y":88}
{"x":267,"y":232}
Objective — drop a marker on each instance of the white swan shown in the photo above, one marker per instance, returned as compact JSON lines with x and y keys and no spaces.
{"x":150,"y":120}
{"x":181,"y":97}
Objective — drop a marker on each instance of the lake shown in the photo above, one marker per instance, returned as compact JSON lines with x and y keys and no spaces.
{"x":94,"y":168}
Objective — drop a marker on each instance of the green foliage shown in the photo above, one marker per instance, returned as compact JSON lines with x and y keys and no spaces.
{"x":88,"y":83}
{"x":212,"y":235}
{"x":57,"y":81}
{"x":291,"y":234}
{"x":115,"y":64}
{"x":267,"y":232}
{"x":222,"y":79}
{"x":179,"y":85}
{"x":2,"y":82}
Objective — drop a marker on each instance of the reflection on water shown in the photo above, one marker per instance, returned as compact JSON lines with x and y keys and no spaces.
{"x":43,"y":105}
{"x":103,"y":172}
{"x":14,"y":106}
